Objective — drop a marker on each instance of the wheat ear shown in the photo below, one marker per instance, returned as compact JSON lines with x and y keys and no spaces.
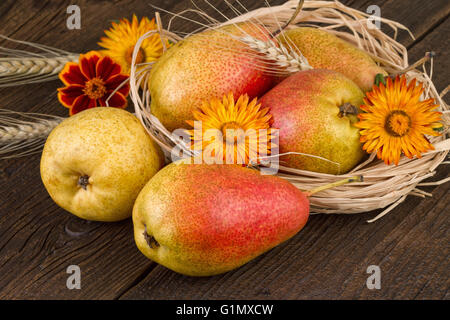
{"x":37,"y":63}
{"x":274,"y":51}
{"x":287,"y":60}
{"x":16,"y":71}
{"x":24,"y":132}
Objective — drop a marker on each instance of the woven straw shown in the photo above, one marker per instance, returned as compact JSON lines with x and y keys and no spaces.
{"x":384,"y":186}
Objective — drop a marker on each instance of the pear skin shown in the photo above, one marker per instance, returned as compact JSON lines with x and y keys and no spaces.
{"x":324,"y":50}
{"x":95,"y":163}
{"x":203,"y":220}
{"x":306,"y":108}
{"x":205,"y":66}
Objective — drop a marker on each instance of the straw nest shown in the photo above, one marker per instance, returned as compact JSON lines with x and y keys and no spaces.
{"x":383,"y":186}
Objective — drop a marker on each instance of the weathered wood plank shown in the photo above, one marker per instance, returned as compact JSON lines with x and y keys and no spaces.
{"x":437,"y":41}
{"x":419,"y":16}
{"x":38,"y":241}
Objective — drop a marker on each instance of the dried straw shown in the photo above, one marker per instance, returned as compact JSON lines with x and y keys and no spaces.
{"x":384,"y":186}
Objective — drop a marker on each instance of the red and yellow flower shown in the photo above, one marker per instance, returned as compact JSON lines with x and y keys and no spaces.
{"x":92,"y":81}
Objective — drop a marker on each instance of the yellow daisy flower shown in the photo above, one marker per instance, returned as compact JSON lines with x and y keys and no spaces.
{"x":232,"y":131}
{"x":122,"y":37}
{"x":395,"y":121}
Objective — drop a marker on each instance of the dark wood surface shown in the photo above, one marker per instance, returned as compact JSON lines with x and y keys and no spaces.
{"x":327,"y":259}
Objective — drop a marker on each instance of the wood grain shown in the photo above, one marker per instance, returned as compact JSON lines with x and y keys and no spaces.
{"x":328,"y":259}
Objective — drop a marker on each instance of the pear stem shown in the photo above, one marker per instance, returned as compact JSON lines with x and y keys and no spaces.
{"x":418,"y":63}
{"x":334,"y":184}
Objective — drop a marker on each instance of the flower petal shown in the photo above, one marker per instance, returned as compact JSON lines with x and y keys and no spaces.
{"x":116,"y":101}
{"x":114,"y":82}
{"x":106,"y":68}
{"x":71,"y":74}
{"x":82,"y":103}
{"x":68,"y":94}
{"x":88,"y":63}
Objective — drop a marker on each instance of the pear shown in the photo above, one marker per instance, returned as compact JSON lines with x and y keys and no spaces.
{"x":205,"y":66}
{"x":203,"y":220}
{"x":95,"y":163}
{"x":324,"y":50}
{"x":315,"y":111}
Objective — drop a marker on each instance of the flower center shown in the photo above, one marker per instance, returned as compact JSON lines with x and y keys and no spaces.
{"x":129,"y":55}
{"x":230,"y":126}
{"x":398,"y":123}
{"x":95,"y":88}
{"x":233,"y":132}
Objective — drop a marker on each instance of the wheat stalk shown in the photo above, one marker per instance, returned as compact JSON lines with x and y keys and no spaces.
{"x":19,"y":67}
{"x":14,"y":71}
{"x":272,"y":50}
{"x":28,"y":131}
{"x":288,"y":60}
{"x":24,"y":132}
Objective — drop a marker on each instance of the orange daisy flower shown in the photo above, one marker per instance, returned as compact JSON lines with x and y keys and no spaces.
{"x":232,"y":131}
{"x":121,"y":39}
{"x":91,"y":82}
{"x":396,"y":121}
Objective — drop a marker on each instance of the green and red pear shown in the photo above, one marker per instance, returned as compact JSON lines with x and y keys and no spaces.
{"x":315,"y":111}
{"x":324,"y":50}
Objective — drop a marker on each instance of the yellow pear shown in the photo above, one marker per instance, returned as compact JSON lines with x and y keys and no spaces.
{"x":95,"y":163}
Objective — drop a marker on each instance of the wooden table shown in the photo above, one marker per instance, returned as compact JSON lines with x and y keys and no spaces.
{"x":328,"y":259}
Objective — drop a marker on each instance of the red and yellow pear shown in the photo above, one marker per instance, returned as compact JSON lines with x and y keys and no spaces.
{"x":202,"y":220}
{"x":205,"y":66}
